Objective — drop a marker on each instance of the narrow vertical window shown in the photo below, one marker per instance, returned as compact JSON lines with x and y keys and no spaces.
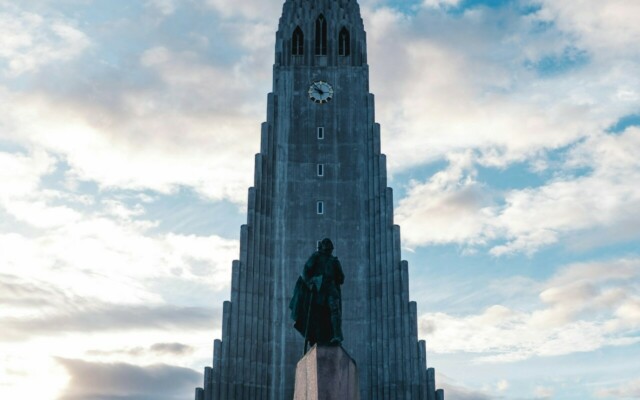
{"x":344,"y":43}
{"x":321,"y":36}
{"x":320,"y":133}
{"x":320,"y":169}
{"x":297,"y":42}
{"x":320,"y":207}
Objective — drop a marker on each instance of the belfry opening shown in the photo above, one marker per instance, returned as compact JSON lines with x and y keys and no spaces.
{"x":297,"y":42}
{"x":321,"y":36}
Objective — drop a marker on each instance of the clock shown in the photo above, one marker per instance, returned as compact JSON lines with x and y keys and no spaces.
{"x":320,"y":92}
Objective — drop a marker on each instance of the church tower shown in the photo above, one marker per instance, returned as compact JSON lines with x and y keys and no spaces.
{"x":319,"y":173}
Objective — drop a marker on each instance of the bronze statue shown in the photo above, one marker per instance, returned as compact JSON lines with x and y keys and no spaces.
{"x":316,"y":306}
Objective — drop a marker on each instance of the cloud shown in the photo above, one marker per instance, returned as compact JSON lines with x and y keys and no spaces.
{"x":581,"y":308}
{"x":29,"y":41}
{"x":542,"y":392}
{"x":154,"y":114}
{"x":157,"y":149}
{"x":16,"y":293}
{"x":441,"y":3}
{"x":72,"y":265}
{"x":595,"y":208}
{"x":19,"y":369}
{"x":602,"y":200}
{"x":506,"y":88}
{"x":196,"y":114}
{"x":21,"y":173}
{"x":97,"y":250}
{"x":171,"y":348}
{"x":603,"y":27}
{"x":98,"y":381}
{"x":251,"y":9}
{"x":479,"y":91}
{"x":502,"y":385}
{"x":112,"y":258}
{"x":629,"y":390}
{"x":455,"y":391}
{"x":165,"y":7}
{"x":122,"y":318}
{"x":50,"y":312}
{"x":451,"y":207}
{"x":175,"y":116}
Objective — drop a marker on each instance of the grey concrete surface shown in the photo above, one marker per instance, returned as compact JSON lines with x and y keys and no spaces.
{"x":326,"y":373}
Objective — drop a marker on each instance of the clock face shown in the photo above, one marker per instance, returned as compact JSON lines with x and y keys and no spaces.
{"x":320,"y":92}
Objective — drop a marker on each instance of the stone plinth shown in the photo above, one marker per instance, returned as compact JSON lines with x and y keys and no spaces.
{"x":326,"y":373}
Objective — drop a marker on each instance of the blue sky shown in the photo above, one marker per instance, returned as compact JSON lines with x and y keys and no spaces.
{"x":127,"y":135}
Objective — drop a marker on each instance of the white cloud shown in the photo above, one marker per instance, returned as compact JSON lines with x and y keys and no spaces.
{"x":92,"y":275}
{"x":252,"y":9}
{"x":125,"y":381}
{"x":84,"y":270}
{"x":18,"y":368}
{"x":502,"y":385}
{"x":165,"y":7}
{"x":195,"y":122}
{"x":579,"y":311}
{"x":441,"y":3}
{"x":30,"y":41}
{"x":96,"y":253}
{"x":476,"y":84}
{"x":20,"y":174}
{"x":451,"y":207}
{"x":629,"y":390}
{"x":603,"y":200}
{"x":457,"y":391}
{"x":39,"y":359}
{"x":96,"y":257}
{"x":454,"y":207}
{"x":543,"y":392}
{"x":153,"y":147}
{"x":461,"y":83}
{"x":20,"y":177}
{"x":602,"y":27}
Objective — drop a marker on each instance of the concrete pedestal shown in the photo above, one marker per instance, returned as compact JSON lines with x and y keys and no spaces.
{"x":326,"y":373}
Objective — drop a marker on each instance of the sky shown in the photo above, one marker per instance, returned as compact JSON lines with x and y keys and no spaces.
{"x":127,"y":135}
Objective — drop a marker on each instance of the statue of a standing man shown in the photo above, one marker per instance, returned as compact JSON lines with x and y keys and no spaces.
{"x":317,"y":305}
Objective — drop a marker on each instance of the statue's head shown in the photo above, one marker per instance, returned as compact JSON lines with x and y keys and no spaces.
{"x":326,"y":246}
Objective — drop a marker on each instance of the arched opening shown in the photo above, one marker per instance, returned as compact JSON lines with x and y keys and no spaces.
{"x":321,"y":36}
{"x":297,"y":42}
{"x":344,"y":42}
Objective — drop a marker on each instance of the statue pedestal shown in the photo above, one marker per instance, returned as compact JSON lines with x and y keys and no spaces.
{"x":326,"y":373}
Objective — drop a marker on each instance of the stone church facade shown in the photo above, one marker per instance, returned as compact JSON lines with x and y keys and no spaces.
{"x":319,"y":173}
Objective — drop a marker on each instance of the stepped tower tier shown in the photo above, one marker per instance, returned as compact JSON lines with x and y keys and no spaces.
{"x":319,"y":173}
